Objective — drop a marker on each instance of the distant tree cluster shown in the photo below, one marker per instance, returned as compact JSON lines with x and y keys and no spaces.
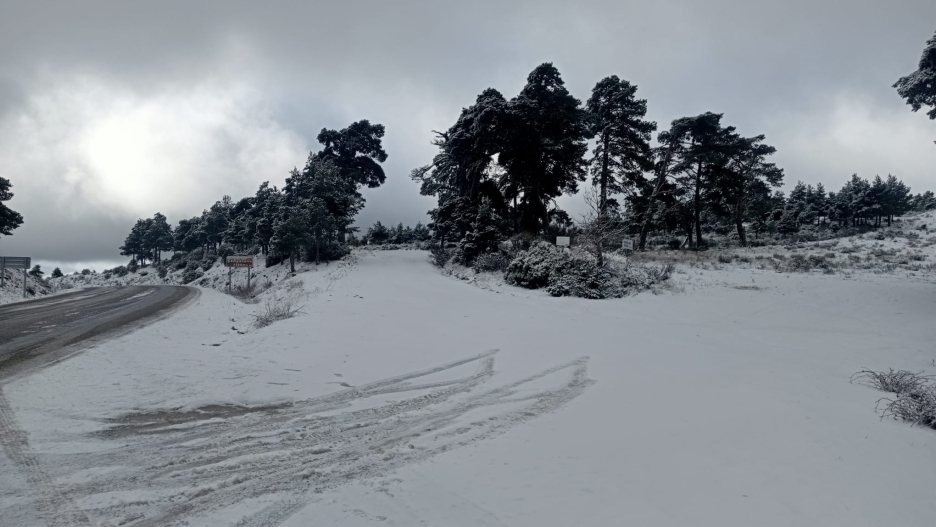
{"x":309,"y":217}
{"x":379,"y":234}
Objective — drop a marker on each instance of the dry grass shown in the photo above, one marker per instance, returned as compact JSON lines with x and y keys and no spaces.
{"x":276,"y":309}
{"x":915,"y":400}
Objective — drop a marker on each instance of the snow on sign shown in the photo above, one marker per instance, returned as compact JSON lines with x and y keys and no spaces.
{"x":239,"y":261}
{"x":563,"y":241}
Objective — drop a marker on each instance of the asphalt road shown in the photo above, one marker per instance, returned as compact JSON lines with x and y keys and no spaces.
{"x":38,"y":332}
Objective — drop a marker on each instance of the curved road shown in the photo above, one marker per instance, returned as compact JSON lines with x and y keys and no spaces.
{"x":38,"y":332}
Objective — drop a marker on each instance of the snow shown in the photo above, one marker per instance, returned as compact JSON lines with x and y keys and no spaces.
{"x":722,"y":401}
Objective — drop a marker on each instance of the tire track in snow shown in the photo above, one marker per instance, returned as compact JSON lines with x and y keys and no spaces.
{"x":175,"y":469}
{"x":50,"y":499}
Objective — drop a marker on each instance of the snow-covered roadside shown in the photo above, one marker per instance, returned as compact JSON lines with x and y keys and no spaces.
{"x":727,"y":404}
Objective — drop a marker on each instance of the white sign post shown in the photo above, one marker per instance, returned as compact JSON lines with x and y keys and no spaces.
{"x":563,"y":241}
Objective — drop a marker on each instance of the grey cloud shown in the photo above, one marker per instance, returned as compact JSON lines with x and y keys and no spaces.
{"x":791,"y":70}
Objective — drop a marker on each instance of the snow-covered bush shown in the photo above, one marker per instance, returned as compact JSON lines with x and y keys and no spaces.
{"x":576,"y":273}
{"x":915,"y":400}
{"x":190,"y":275}
{"x":490,"y":262}
{"x":86,"y":272}
{"x":917,"y":407}
{"x":439,"y":257}
{"x":132,"y":266}
{"x":892,"y":381}
{"x":162,"y":271}
{"x":531,"y":268}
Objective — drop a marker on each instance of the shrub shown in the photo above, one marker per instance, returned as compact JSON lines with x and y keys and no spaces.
{"x":162,"y":271}
{"x":674,"y":244}
{"x":276,"y":309}
{"x":531,"y":268}
{"x":576,"y":273}
{"x":490,"y":262}
{"x":917,"y":407}
{"x":439,"y":257}
{"x":208,"y":261}
{"x":132,"y":266}
{"x":120,"y":270}
{"x":725,"y":258}
{"x":144,"y":273}
{"x":892,"y":381}
{"x":85,"y":272}
{"x":190,"y":275}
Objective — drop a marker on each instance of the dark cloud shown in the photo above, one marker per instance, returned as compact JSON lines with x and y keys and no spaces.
{"x":113,"y":110}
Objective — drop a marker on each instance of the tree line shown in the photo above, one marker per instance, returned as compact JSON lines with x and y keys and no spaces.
{"x":309,"y":217}
{"x":502,"y":164}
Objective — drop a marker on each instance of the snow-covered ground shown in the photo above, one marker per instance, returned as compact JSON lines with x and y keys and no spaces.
{"x":405,"y":397}
{"x":12,"y":288}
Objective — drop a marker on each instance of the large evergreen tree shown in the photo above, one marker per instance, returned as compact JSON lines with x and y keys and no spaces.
{"x":544,"y":145}
{"x":919,"y":88}
{"x":622,"y":149}
{"x":745,"y":175}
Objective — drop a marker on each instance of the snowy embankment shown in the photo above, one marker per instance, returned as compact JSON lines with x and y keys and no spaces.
{"x":12,"y":288}
{"x":407,"y":396}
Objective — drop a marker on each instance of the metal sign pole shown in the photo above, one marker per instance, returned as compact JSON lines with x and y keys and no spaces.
{"x":248,"y":277}
{"x":24,"y":282}
{"x":2,"y":270}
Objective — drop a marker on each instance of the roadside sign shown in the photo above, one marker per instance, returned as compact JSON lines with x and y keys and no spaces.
{"x":239,"y":261}
{"x":563,"y":241}
{"x":15,"y":262}
{"x":629,"y":244}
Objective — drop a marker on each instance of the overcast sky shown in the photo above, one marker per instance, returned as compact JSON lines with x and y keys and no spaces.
{"x":110,"y":111}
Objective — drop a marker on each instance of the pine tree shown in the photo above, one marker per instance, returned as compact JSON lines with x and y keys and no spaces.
{"x":744,"y":175}
{"x":544,"y":134}
{"x":378,"y":234}
{"x":622,"y":150}
{"x":291,"y":235}
{"x":9,"y":219}
{"x":919,"y":88}
{"x":57,"y":273}
{"x":36,"y":271}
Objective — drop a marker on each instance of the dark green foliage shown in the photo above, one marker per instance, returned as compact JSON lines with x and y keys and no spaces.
{"x":919,"y":88}
{"x":622,"y":149}
{"x":36,"y":271}
{"x":57,"y":273}
{"x":9,"y":219}
{"x":377,"y":234}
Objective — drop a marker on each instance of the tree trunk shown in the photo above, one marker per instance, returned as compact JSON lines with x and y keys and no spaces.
{"x":698,"y":206}
{"x":316,"y":250}
{"x":739,"y":222}
{"x":292,"y":261}
{"x":603,"y":200}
